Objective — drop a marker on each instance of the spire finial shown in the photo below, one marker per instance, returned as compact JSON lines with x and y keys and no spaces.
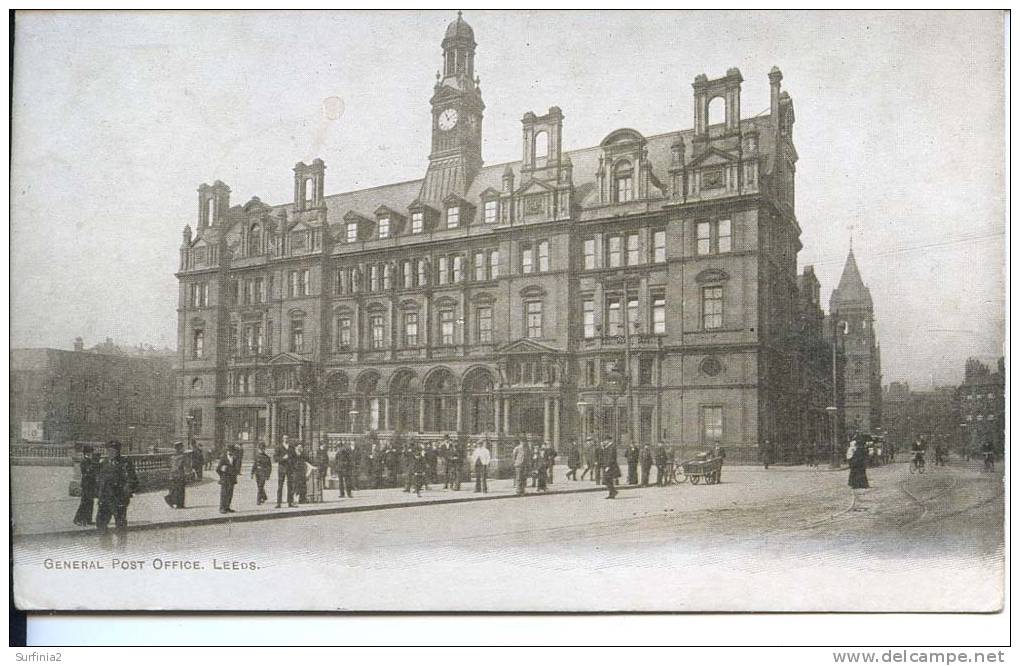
{"x":851,"y":237}
{"x":459,"y":14}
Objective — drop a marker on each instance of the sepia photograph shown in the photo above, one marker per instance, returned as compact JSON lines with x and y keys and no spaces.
{"x":508,"y":311}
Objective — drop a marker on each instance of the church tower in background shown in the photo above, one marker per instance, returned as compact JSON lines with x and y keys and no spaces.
{"x":853,"y":314}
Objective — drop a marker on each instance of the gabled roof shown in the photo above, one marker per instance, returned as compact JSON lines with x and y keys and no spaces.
{"x":527,"y":347}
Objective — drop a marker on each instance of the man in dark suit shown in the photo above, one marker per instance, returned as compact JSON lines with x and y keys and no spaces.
{"x":261,"y":469}
{"x":228,"y":468}
{"x":89,"y":470}
{"x":299,"y":472}
{"x":116,"y":482}
{"x":611,"y":468}
{"x":633,"y":457}
{"x":661,"y":460}
{"x":181,"y":467}
{"x":282,"y":455}
{"x":646,"y":458}
{"x":344,"y":464}
{"x":454,"y":464}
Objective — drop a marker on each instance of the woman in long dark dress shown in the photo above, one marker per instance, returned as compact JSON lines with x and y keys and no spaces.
{"x":858,"y":457}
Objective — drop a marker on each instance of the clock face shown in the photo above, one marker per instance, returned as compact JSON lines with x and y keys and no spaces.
{"x":448,"y":119}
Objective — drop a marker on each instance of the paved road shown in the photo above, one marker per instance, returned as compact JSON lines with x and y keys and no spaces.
{"x":782,"y":539}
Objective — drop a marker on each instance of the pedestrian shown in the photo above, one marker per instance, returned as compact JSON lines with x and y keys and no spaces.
{"x":533,"y":462}
{"x":720,"y":453}
{"x":116,"y":482}
{"x":857,"y":455}
{"x":597,"y":461}
{"x":521,"y":458}
{"x":766,"y":453}
{"x":660,"y":464}
{"x":645,"y":458}
{"x":299,"y":473}
{"x":228,"y":469}
{"x":408,"y":462}
{"x":454,"y":464}
{"x":633,"y":457}
{"x":611,"y":469}
{"x":89,"y":467}
{"x":197,"y":460}
{"x":322,"y":465}
{"x":480,"y":457}
{"x":550,"y":462}
{"x":261,"y":469}
{"x":589,"y":458}
{"x":282,"y":455}
{"x":431,"y":464}
{"x":344,"y":465}
{"x":542,"y":465}
{"x":181,"y":467}
{"x":421,"y":469}
{"x":573,"y":460}
{"x":392,"y":464}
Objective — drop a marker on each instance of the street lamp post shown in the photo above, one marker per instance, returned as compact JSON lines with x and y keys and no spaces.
{"x":835,"y":445}
{"x":191,"y":423}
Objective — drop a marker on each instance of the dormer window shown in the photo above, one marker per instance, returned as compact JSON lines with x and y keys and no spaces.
{"x":491,"y":211}
{"x":417,"y":222}
{"x":384,"y":227}
{"x":453,"y":217}
{"x":623,"y":182}
{"x":352,"y":232}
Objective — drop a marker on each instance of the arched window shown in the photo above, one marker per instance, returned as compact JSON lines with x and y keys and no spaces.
{"x":541,"y":148}
{"x":254,"y":241}
{"x":338,"y":402}
{"x":623,"y":182}
{"x":369,"y":405}
{"x":441,"y":402}
{"x":479,"y":415}
{"x":716,"y":111}
{"x":404,"y":401}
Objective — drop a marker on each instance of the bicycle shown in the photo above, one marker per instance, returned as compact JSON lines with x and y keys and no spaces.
{"x":917,"y":463}
{"x":989,"y":462}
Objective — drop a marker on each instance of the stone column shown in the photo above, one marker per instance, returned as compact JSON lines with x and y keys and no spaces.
{"x":506,"y":416}
{"x":421,"y":414}
{"x":301,"y":420}
{"x":556,"y":423}
{"x":546,"y":430}
{"x":387,"y":420}
{"x":497,"y":403}
{"x":460,"y":413}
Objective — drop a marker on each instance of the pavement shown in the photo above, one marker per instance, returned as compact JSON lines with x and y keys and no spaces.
{"x":41,"y":505}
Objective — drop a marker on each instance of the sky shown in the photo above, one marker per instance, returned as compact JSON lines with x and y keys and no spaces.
{"x":120,"y":116}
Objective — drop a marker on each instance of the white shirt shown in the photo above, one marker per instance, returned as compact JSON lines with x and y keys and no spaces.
{"x":481,"y":455}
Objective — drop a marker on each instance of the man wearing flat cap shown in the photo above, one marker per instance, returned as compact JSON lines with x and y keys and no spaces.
{"x":116,"y":482}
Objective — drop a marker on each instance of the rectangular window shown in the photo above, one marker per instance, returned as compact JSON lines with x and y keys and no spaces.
{"x":704,"y":230}
{"x":659,"y":245}
{"x":711,"y":307}
{"x":408,"y":274}
{"x":423,"y":273}
{"x":292,"y":285}
{"x":443,"y":274}
{"x":352,"y":232}
{"x":615,"y":251}
{"x":588,"y":318}
{"x":527,"y":258}
{"x":543,"y":256}
{"x":493,"y":264}
{"x":624,"y":188}
{"x":343,"y":333}
{"x":410,"y":329}
{"x":446,"y":327}
{"x":659,"y":313}
{"x":235,"y":292}
{"x":249,"y":292}
{"x":198,"y":344}
{"x":452,"y":217}
{"x":384,"y":227}
{"x":260,"y":290}
{"x":458,"y":268}
{"x":589,"y":373}
{"x":297,"y":335}
{"x":480,"y":266}
{"x":633,"y":318}
{"x":725,"y":236}
{"x":417,"y":222}
{"x":533,"y":315}
{"x":712,"y":424}
{"x":483,"y":317}
{"x":305,"y":282}
{"x":589,"y":254}
{"x":233,"y":342}
{"x":614,"y":322}
{"x":633,"y":250}
{"x":259,"y":340}
{"x":339,"y":283}
{"x":645,"y":371}
{"x":378,"y":328}
{"x":373,"y":278}
{"x":387,"y":277}
{"x":491,"y":212}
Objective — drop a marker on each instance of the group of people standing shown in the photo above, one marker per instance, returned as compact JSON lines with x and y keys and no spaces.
{"x":111,"y":480}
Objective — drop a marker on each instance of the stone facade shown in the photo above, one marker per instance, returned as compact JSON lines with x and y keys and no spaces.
{"x":60,"y":396}
{"x":646,"y":286}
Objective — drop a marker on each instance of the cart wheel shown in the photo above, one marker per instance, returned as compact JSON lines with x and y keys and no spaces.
{"x":681,"y":478}
{"x":695,"y":479}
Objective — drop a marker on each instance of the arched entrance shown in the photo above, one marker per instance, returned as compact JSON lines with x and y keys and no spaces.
{"x":440,"y":401}
{"x":479,"y":403}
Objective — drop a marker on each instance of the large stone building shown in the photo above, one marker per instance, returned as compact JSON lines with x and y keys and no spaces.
{"x":107,"y":392}
{"x":646,"y":285}
{"x":908,"y":415}
{"x":981,"y":406}
{"x":853,"y":325}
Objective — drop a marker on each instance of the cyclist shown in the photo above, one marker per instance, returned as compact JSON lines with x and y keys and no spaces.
{"x":988,"y":454}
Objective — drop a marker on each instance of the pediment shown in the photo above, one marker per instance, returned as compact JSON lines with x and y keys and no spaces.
{"x":286,"y":358}
{"x":534,"y":186}
{"x":711,"y":275}
{"x":621,"y":136}
{"x":713,"y":157}
{"x":353,"y":216}
{"x":525,"y":346}
{"x":489,"y":193}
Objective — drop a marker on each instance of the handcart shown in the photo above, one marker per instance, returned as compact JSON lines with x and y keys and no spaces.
{"x":707,"y":469}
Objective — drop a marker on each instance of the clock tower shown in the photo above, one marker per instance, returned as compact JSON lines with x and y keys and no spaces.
{"x":457,"y":108}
